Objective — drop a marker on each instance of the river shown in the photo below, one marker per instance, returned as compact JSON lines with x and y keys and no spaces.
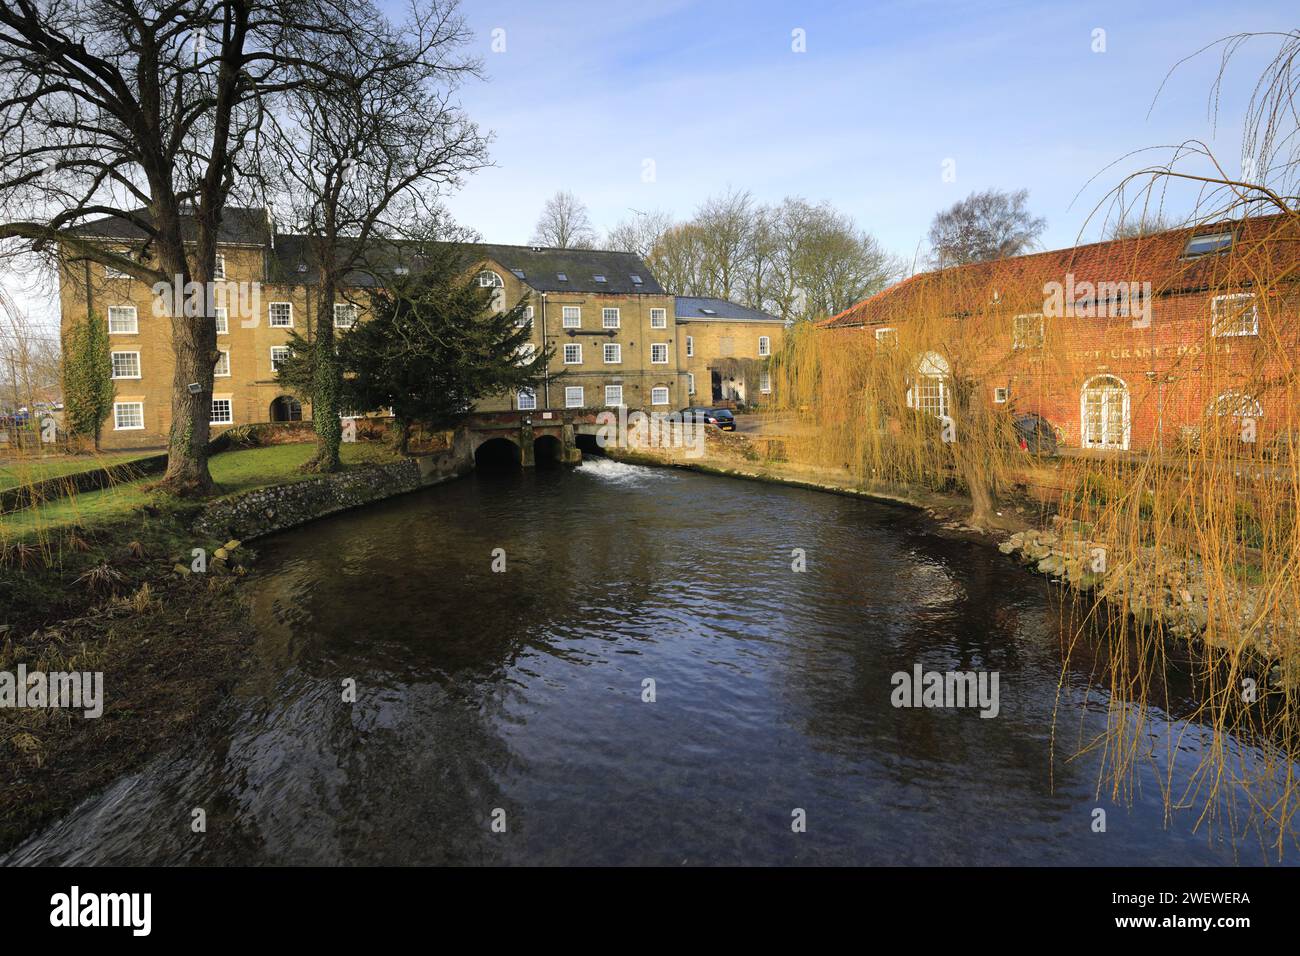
{"x":503,"y":716}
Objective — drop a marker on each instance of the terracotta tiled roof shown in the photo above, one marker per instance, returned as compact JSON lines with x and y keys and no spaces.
{"x":1158,"y":259}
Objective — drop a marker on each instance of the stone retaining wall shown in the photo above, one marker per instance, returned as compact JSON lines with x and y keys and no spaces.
{"x":264,"y":511}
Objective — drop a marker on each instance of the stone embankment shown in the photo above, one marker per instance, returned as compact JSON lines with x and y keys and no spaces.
{"x":278,"y":507}
{"x":1159,"y":589}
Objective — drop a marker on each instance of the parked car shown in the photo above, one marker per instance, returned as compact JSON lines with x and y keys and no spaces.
{"x":1035,"y":434}
{"x":720,"y":417}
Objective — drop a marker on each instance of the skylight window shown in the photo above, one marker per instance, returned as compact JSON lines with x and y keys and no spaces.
{"x":1208,"y":243}
{"x":709,"y":311}
{"x":636,"y":280}
{"x":519,"y":273}
{"x":562,"y":276}
{"x":599,"y":278}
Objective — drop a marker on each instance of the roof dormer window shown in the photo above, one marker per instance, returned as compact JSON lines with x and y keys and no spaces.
{"x":1208,"y":244}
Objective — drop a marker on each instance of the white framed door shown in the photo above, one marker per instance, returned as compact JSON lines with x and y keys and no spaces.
{"x":1104,"y":413}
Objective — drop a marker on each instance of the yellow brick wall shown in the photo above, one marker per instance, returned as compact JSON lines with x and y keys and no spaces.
{"x":636,"y":373}
{"x":251,"y":385}
{"x":714,"y":339}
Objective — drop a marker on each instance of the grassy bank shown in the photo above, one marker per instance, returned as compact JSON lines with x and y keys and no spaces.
{"x":15,"y":471}
{"x":232,"y":472}
{"x":88,"y":584}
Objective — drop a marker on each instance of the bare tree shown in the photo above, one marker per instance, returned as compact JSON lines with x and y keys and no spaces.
{"x":677,"y":260}
{"x":726,"y":227}
{"x":150,"y":116}
{"x":360,"y":163}
{"x":984,"y":226}
{"x":111,"y":109}
{"x":564,"y":224}
{"x":1134,"y":226}
{"x":796,"y":260}
{"x":839,"y":265}
{"x":641,"y":233}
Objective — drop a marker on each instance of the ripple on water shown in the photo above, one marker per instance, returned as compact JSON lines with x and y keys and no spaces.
{"x":528,"y":692}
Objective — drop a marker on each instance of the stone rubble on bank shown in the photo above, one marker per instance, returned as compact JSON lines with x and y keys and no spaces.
{"x":1155,"y":587}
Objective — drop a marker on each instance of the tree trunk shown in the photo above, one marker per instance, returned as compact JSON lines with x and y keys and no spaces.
{"x":973,"y":459}
{"x":194,"y":345}
{"x":327,"y":382}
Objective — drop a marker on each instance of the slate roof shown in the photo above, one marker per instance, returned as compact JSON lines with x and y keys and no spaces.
{"x":692,"y":307}
{"x":541,"y":268}
{"x":239,"y":224}
{"x":1158,"y":259}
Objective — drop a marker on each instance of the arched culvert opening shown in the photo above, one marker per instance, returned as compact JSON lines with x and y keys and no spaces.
{"x":496,"y":454}
{"x":548,"y":451}
{"x":587,"y":445}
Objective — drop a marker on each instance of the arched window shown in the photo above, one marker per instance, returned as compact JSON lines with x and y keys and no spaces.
{"x":1237,"y":404}
{"x":1104,"y":413}
{"x":286,"y":408}
{"x":932,"y":388}
{"x":489,"y":279}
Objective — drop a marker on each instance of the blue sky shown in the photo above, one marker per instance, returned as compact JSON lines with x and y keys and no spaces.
{"x":712,"y":92}
{"x":586,"y":92}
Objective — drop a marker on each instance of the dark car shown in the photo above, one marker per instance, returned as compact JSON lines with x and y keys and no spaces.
{"x":1035,"y":434}
{"x":721,"y":417}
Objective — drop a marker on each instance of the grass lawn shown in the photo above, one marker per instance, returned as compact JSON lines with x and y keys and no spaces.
{"x":24,"y":471}
{"x":232,"y":471}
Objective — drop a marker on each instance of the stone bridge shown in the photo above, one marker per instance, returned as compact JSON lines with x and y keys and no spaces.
{"x":545,"y":436}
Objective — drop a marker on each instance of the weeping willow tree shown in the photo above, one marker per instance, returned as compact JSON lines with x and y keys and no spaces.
{"x":1182,"y":521}
{"x":1196,"y":530}
{"x":903,"y":390}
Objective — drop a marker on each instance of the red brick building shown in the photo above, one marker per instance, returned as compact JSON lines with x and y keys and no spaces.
{"x":1121,"y":344}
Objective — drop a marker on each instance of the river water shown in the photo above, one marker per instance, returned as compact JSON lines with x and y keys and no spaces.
{"x":501,"y":716}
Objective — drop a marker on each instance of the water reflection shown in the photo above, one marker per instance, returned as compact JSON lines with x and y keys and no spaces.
{"x":521,"y":692}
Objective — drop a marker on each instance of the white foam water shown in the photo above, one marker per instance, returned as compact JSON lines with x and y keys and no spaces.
{"x":621,"y":473}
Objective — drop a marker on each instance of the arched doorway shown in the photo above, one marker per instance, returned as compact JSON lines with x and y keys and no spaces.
{"x":1104,"y":413}
{"x":547,"y":451}
{"x":497,"y":454}
{"x":286,"y":408}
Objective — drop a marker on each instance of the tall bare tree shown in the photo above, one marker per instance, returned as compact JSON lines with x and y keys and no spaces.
{"x":984,"y":226}
{"x":564,"y":224}
{"x":677,"y":261}
{"x":641,"y":233}
{"x":725,"y":231}
{"x":139,"y":112}
{"x":838,"y":265}
{"x":361,"y":156}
